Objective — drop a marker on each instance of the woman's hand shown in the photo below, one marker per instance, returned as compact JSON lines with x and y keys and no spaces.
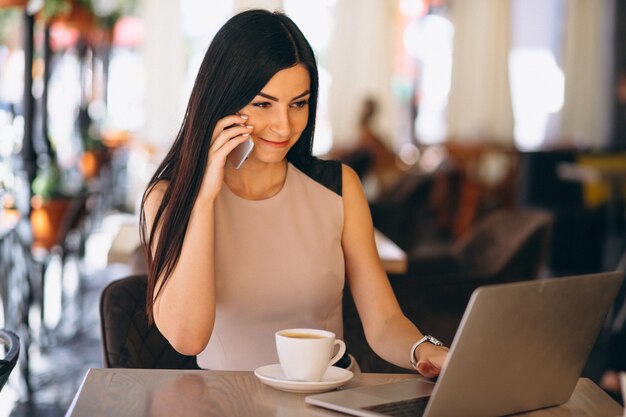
{"x":430,"y":359}
{"x":229,"y":132}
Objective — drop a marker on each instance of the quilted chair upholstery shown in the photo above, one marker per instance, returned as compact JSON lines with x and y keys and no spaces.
{"x":127,"y":339}
{"x":12,"y":343}
{"x":505,"y":246}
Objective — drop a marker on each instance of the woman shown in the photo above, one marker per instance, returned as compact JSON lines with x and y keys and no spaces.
{"x":236,"y":254}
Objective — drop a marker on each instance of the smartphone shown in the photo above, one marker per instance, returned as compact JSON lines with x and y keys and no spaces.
{"x":238,"y":155}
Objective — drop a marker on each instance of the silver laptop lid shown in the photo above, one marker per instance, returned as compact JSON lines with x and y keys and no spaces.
{"x":519,"y":347}
{"x":522,"y":346}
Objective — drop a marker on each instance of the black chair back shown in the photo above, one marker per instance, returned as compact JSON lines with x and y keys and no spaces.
{"x":128,"y":341}
{"x":7,"y":364}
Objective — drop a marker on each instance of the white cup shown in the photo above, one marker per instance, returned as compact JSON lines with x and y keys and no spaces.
{"x":305,"y":354}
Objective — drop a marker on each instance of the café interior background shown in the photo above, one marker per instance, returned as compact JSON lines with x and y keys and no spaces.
{"x":519,"y":76}
{"x":523,"y":73}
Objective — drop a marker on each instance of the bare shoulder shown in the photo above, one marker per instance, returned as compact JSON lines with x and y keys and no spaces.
{"x":350,"y":179}
{"x":154,"y":196}
{"x":352,"y":188}
{"x":156,"y":192}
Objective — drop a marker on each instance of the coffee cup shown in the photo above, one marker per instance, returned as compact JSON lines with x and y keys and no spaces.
{"x":305,"y":354}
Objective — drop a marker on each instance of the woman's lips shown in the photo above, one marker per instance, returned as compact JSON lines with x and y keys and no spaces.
{"x":275,"y":144}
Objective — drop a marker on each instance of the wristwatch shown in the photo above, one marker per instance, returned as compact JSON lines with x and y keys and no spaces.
{"x":426,"y":338}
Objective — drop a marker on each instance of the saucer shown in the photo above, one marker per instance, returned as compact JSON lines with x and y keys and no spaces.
{"x":273,"y":376}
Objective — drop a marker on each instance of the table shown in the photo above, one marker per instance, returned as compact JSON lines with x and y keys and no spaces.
{"x":127,"y":241}
{"x":393,"y":258}
{"x":155,"y":393}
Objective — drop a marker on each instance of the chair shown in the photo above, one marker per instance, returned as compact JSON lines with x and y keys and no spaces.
{"x":7,"y":364}
{"x":578,"y":231}
{"x":505,"y":246}
{"x":403,"y":210}
{"x":128,"y":341}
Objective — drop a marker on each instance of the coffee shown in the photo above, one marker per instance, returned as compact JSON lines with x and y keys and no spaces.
{"x":305,"y":354}
{"x":302,"y":335}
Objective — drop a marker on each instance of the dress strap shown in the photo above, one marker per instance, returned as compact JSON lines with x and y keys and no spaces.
{"x":326,"y":173}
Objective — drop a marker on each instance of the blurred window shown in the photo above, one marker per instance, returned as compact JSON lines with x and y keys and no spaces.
{"x":125,"y":89}
{"x":535,"y":70}
{"x":423,"y":68}
{"x":316,"y":20}
{"x":11,"y":92}
{"x":200,"y":21}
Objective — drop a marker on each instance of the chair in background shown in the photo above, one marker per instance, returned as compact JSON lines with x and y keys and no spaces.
{"x":128,"y":341}
{"x":505,"y":246}
{"x":403,"y":211}
{"x":12,"y":343}
{"x":579,"y":231}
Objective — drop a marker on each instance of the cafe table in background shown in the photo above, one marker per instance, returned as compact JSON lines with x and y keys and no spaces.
{"x":156,"y":393}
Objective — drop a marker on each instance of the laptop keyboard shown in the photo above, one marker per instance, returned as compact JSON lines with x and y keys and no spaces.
{"x":414,"y":407}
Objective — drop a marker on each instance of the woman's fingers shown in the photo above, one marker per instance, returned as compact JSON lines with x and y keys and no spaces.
{"x":227,"y":141}
{"x":223,"y":151}
{"x":433,"y":362}
{"x":231,"y":132}
{"x":227,"y":134}
{"x":428,"y":370}
{"x":228,"y":122}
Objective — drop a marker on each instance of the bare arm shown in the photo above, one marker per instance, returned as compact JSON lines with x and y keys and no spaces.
{"x":390,"y":334}
{"x":184,"y":310}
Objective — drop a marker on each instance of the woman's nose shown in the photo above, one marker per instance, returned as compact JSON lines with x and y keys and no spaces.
{"x":281,"y":125}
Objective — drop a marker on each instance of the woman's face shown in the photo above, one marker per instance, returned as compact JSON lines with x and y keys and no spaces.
{"x":279,"y":114}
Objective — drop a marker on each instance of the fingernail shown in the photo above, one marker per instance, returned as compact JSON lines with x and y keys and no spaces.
{"x":249,"y":127}
{"x":243,"y":116}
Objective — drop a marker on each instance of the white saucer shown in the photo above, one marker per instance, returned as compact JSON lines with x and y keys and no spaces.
{"x":273,"y":376}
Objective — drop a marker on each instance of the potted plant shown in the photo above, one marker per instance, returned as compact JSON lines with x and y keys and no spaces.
{"x":49,"y":205}
{"x":94,"y":154}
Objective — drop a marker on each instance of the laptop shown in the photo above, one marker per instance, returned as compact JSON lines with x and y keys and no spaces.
{"x":520,"y":347}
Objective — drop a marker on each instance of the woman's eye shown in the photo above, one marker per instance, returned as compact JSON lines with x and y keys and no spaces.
{"x":300,"y":104}
{"x":261,"y":105}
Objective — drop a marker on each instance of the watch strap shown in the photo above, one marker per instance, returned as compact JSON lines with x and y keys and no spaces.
{"x":426,"y":338}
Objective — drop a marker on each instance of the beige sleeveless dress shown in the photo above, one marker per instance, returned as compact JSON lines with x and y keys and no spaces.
{"x":278,"y":264}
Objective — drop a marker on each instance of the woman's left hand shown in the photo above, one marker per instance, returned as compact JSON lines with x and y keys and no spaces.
{"x":430,"y":359}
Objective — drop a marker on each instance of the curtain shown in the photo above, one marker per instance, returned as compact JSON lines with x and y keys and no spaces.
{"x":479,"y":107}
{"x":360,"y":64}
{"x":588,"y":63}
{"x":164,"y":63}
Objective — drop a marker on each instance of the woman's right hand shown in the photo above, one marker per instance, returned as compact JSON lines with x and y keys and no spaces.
{"x":229,"y":132}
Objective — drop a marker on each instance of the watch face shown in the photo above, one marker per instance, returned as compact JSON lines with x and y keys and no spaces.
{"x":434,"y":341}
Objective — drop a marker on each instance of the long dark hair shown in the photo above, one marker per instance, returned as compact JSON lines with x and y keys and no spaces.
{"x":244,"y":55}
